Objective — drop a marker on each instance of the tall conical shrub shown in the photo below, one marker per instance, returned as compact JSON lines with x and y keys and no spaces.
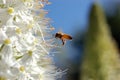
{"x":101,"y":59}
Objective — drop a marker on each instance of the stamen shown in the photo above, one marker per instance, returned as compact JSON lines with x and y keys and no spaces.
{"x":10,"y":10}
{"x":22,"y":68}
{"x":7,"y":41}
{"x":30,"y":52}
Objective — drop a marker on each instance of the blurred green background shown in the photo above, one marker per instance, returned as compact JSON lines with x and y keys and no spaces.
{"x":94,"y":52}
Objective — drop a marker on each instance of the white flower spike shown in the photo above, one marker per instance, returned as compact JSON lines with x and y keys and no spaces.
{"x":24,"y":41}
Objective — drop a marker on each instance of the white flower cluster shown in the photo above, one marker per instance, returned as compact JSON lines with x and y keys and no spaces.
{"x":24,"y":41}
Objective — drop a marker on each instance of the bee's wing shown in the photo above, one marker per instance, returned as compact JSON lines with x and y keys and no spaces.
{"x":66,"y":36}
{"x":60,"y":30}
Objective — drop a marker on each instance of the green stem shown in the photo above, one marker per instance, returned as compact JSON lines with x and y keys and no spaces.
{"x":18,"y":57}
{"x":2,"y":47}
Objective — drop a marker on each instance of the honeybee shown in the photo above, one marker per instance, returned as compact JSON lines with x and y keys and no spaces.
{"x":63,"y":37}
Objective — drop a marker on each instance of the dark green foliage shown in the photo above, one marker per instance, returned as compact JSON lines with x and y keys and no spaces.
{"x":114,"y":22}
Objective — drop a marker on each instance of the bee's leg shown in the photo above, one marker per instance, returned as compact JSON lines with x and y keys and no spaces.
{"x":63,"y":41}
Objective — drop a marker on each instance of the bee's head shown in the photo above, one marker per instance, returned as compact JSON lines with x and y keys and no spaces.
{"x":58,"y":35}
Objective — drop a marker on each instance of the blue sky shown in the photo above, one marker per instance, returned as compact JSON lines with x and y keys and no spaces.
{"x":68,"y":15}
{"x":72,"y":15}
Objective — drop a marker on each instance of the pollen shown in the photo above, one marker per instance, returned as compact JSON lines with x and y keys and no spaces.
{"x":18,"y":30}
{"x":10,"y":10}
{"x":7,"y":41}
{"x":2,"y":78}
{"x":30,"y":52}
{"x":26,"y":0}
{"x":41,"y":5}
{"x":41,"y":15}
{"x":29,"y":26}
{"x":35,"y":41}
{"x":22,"y":68}
{"x":41,"y":77}
{"x":52,"y":28}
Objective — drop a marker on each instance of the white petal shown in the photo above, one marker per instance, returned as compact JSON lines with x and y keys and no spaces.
{"x":3,"y":35}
